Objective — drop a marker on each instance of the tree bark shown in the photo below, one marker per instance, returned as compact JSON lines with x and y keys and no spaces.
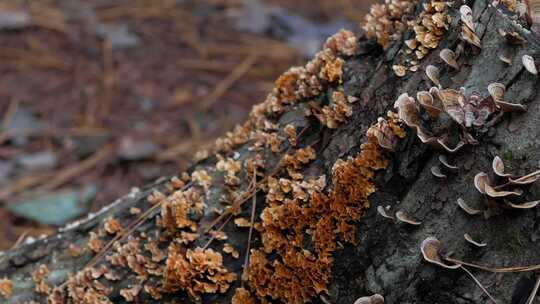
{"x":387,"y":259}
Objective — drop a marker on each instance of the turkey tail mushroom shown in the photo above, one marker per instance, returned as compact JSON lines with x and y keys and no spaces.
{"x":449,"y":57}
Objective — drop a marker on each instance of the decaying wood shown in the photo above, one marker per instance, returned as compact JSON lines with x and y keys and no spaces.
{"x":387,"y":259}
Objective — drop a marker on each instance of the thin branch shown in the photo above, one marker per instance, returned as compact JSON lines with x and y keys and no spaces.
{"x":248,"y":247}
{"x":534,"y":291}
{"x":229,"y":81}
{"x":479,"y":284}
{"x":496,"y":270}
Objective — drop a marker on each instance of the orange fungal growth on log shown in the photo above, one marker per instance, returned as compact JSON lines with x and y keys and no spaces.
{"x":297,"y":274}
{"x":242,"y":296}
{"x":6,"y":288}
{"x":385,"y":21}
{"x":197,"y":272}
{"x":94,"y":243}
{"x":39,"y":276}
{"x":112,"y":226}
{"x":182,"y":209}
{"x":298,"y":208}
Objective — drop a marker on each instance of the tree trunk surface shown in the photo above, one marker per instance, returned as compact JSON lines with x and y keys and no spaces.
{"x":387,"y":259}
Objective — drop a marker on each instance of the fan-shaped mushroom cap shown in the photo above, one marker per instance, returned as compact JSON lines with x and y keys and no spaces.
{"x":405,"y":218}
{"x":374,"y":299}
{"x":461,"y":203}
{"x":443,"y":145}
{"x":498,"y":167}
{"x":469,"y":239}
{"x":527,"y":205}
{"x":430,"y":248}
{"x":512,"y":37}
{"x":480,"y":181}
{"x":467,"y":16}
{"x":511,"y":107}
{"x":449,"y":57}
{"x":382,"y":211}
{"x":436,"y":171}
{"x":432,"y":72}
{"x":452,"y":101}
{"x":492,"y":192}
{"x":529,"y":64}
{"x":444,"y":160}
{"x":384,"y":135}
{"x":526,"y":179}
{"x":407,"y":110}
{"x":496,"y":90}
{"x":470,"y":36}
{"x":425,"y":99}
{"x":505,"y":57}
{"x":399,"y":70}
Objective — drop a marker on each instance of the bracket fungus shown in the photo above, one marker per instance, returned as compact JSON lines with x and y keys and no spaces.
{"x":374,"y":299}
{"x":385,"y":21}
{"x":429,"y":27}
{"x":384,"y":134}
{"x":467,"y":16}
{"x":431,"y":248}
{"x":512,"y":37}
{"x":468,"y":111}
{"x":484,"y":187}
{"x":469,"y":239}
{"x":468,"y":33}
{"x":432,"y":72}
{"x":498,"y":167}
{"x":425,"y":99}
{"x":505,"y":57}
{"x":444,"y":161}
{"x":529,"y":64}
{"x":407,"y":219}
{"x":399,"y":70}
{"x":528,"y":205}
{"x":409,"y":113}
{"x":509,"y":188}
{"x":469,"y":210}
{"x":6,"y":288}
{"x":449,"y":57}
{"x":436,"y":171}
{"x":382,"y":211}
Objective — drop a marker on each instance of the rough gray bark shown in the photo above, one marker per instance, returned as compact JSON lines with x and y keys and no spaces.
{"x":387,"y":259}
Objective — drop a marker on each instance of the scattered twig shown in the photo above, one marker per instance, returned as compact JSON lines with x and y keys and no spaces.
{"x":479,"y":284}
{"x":496,"y":270}
{"x":19,"y":57}
{"x":220,"y":228}
{"x":67,"y":174}
{"x":534,"y":291}
{"x":123,"y":234}
{"x":248,"y":247}
{"x":230,"y":80}
{"x":252,"y":190}
{"x":10,"y":113}
{"x":22,"y":184}
{"x":149,"y":213}
{"x":234,"y":206}
{"x":108,"y":78}
{"x":20,"y":240}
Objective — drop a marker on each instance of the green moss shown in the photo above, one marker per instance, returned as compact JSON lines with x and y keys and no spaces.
{"x":508,"y":155}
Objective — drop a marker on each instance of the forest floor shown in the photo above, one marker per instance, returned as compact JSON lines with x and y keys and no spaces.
{"x":100,"y":96}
